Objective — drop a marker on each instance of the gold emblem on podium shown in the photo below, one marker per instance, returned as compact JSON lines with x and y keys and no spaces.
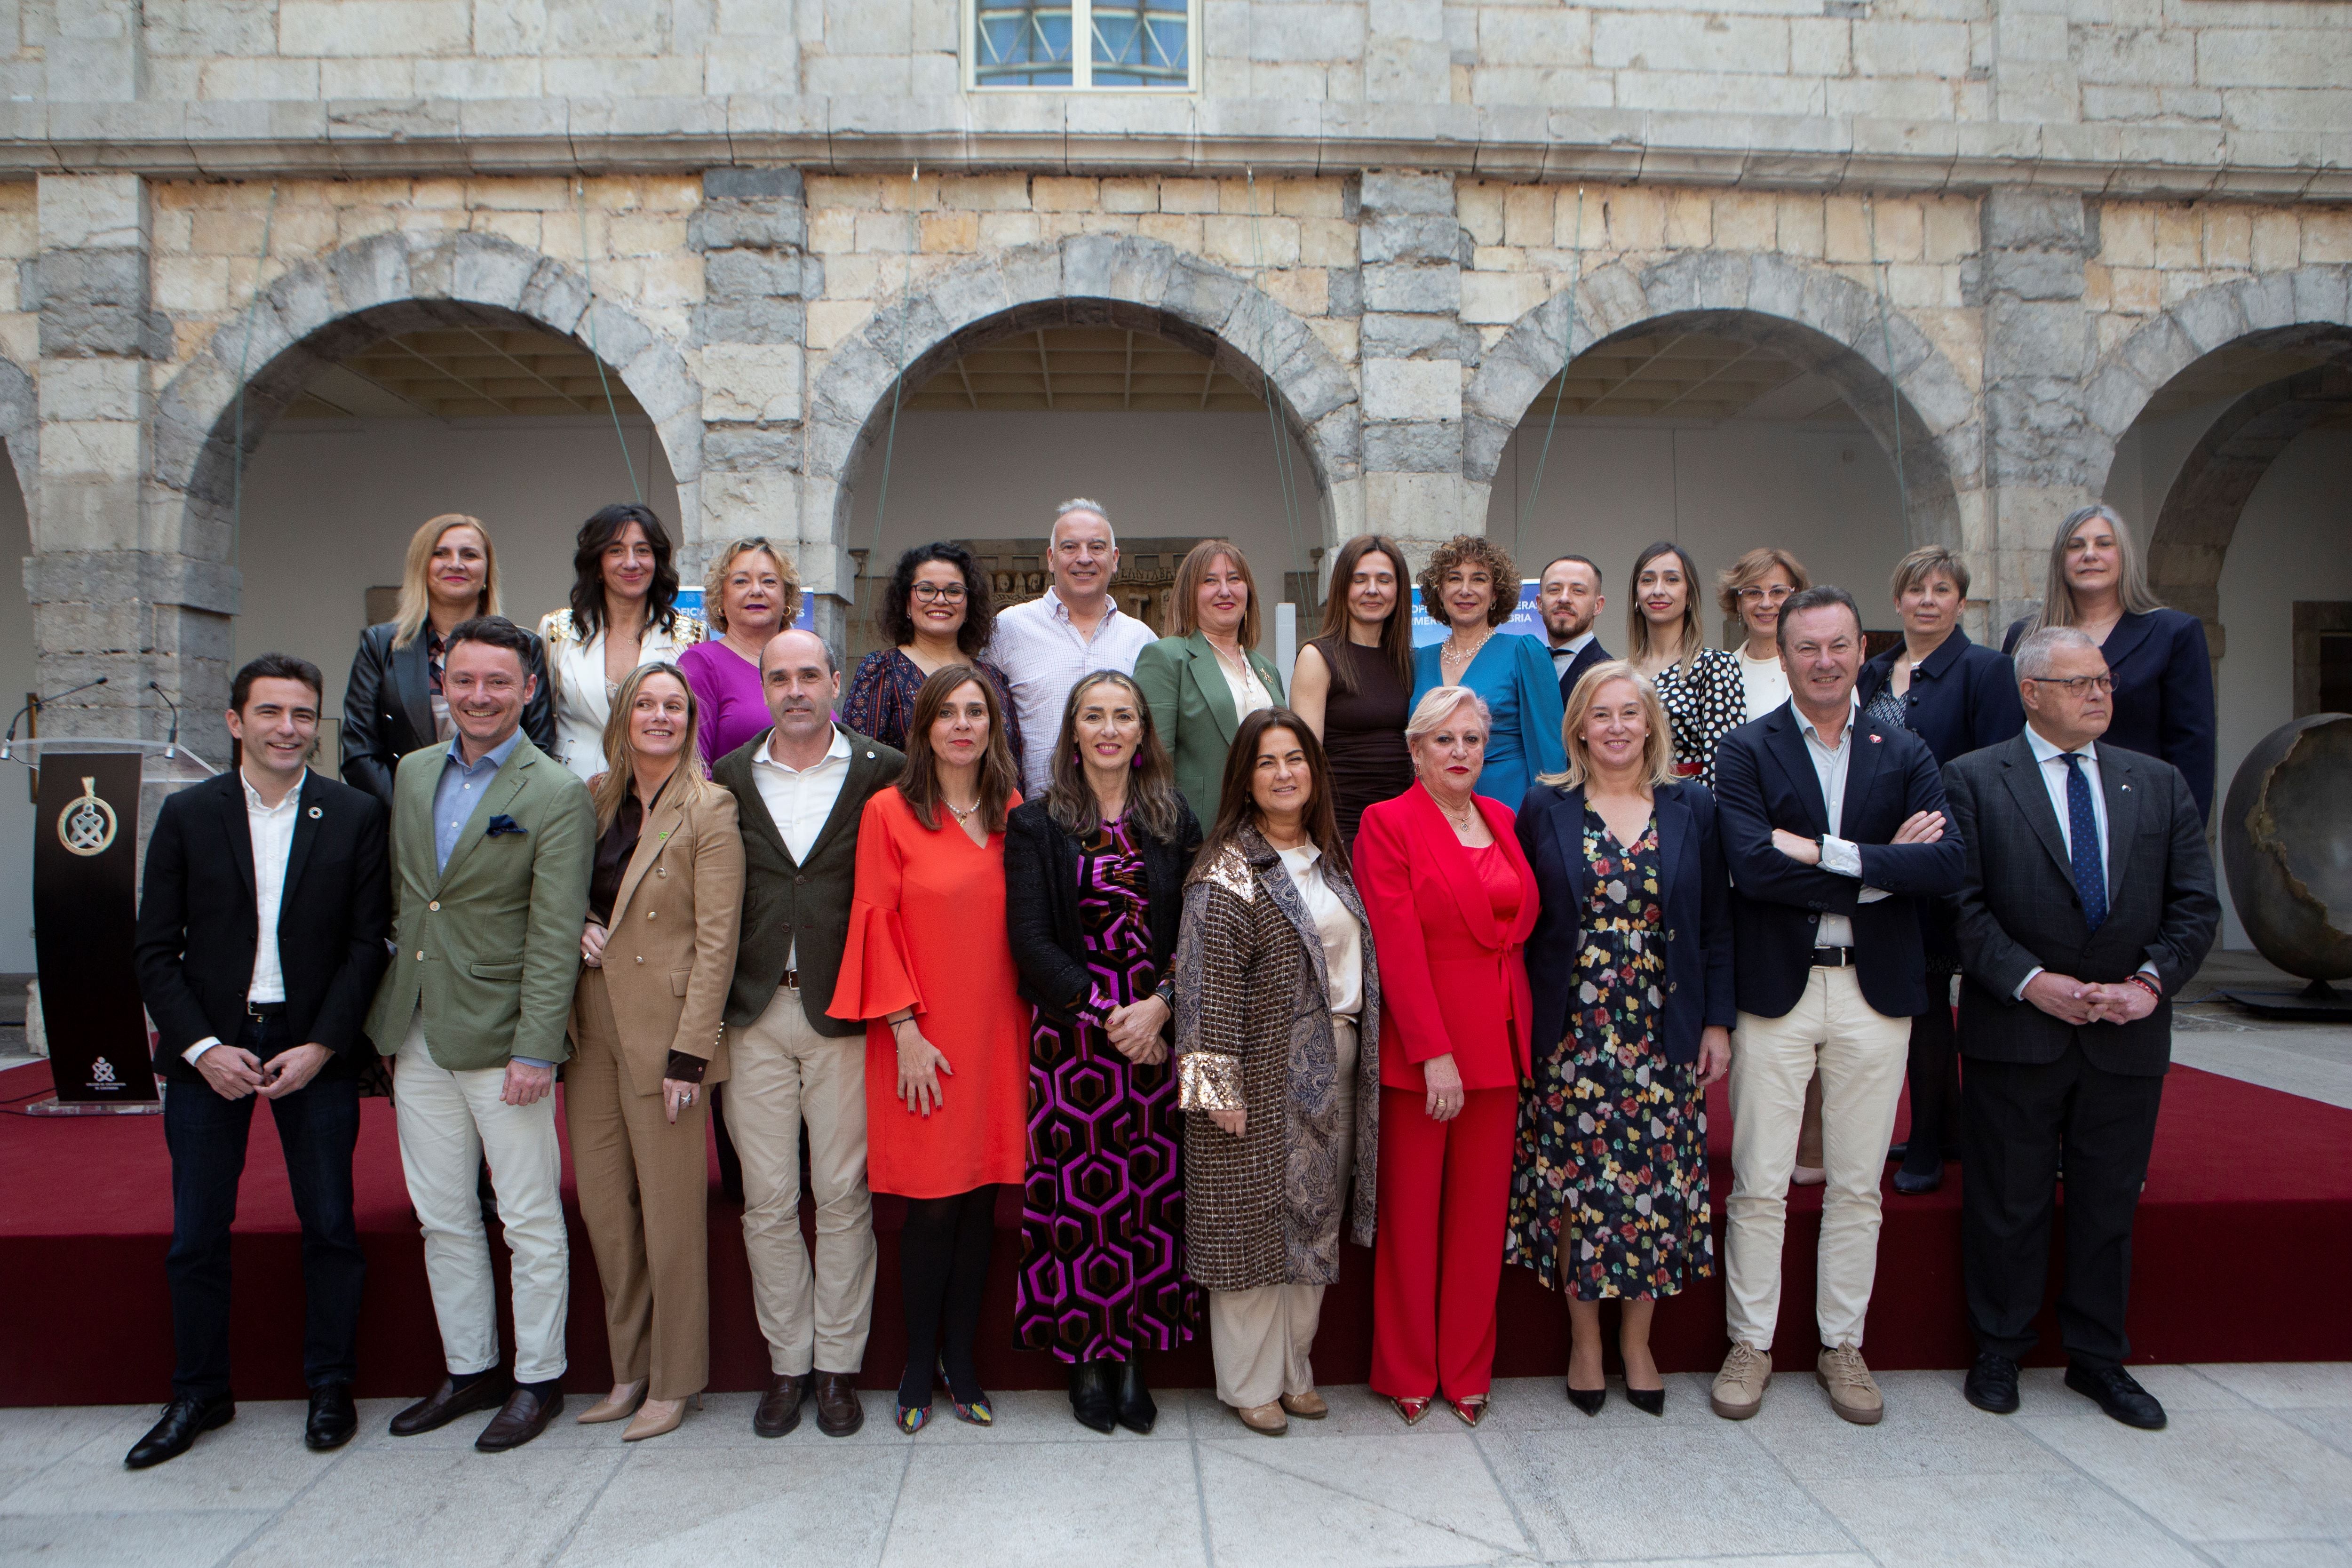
{"x":87,"y":824}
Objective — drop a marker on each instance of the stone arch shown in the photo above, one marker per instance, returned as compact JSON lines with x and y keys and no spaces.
{"x":1817,"y":317}
{"x":20,"y":428}
{"x":388,"y":283}
{"x":1086,"y":279}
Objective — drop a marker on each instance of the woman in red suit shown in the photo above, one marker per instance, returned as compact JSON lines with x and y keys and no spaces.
{"x":1444,"y":882}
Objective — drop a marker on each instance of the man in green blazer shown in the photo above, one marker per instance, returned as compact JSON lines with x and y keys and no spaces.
{"x":493,"y":843}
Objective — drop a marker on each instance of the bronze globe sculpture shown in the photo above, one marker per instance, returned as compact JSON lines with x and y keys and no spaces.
{"x":2286,"y":844}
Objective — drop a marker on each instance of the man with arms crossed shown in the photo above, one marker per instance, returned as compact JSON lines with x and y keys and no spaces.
{"x":1073,"y":629}
{"x":1568,"y":592}
{"x":261,"y":925}
{"x":2087,"y":901}
{"x":801,"y":789}
{"x":493,"y":845}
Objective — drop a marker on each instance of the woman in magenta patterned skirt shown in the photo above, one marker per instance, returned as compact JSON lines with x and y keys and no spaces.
{"x":1094,"y":889}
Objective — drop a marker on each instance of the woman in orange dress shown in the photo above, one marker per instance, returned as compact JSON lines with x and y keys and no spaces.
{"x":927,"y":966}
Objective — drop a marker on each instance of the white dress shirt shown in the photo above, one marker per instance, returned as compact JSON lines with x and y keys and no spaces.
{"x":2054,"y":779}
{"x":271,"y":827}
{"x":801,"y":799}
{"x":1564,"y":654}
{"x":1838,"y":854}
{"x":1762,"y":682}
{"x":1342,"y":933}
{"x":1042,"y":654}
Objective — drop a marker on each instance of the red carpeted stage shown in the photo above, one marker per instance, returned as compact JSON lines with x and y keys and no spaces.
{"x":2250,"y":1186}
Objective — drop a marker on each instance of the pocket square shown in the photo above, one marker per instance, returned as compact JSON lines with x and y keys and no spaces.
{"x":503,"y":824}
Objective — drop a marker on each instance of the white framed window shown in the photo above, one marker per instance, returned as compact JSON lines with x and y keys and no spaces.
{"x":1118,"y":46}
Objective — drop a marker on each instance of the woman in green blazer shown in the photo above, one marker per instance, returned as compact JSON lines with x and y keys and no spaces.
{"x":1209,"y":676}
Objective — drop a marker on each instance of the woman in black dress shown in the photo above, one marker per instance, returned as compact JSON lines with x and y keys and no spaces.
{"x":1353,"y":684}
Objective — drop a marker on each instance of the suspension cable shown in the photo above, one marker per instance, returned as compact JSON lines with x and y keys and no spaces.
{"x":244,"y":366}
{"x":1886,"y":349}
{"x":1559,"y":388}
{"x":1284,"y":474}
{"x":898,"y":382}
{"x":588,"y":274}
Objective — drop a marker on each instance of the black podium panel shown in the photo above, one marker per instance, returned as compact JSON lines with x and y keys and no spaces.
{"x":85,"y":876}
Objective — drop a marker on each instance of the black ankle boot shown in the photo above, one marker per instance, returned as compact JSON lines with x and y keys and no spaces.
{"x":1090,"y":1396}
{"x":1136,"y":1410}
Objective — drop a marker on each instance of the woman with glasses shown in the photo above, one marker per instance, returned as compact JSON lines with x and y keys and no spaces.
{"x":624,"y":612}
{"x":937,"y":611}
{"x":1752,"y":590}
{"x":752,"y":593}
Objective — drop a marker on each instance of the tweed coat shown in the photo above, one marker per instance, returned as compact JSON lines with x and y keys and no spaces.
{"x":1253,"y":1030}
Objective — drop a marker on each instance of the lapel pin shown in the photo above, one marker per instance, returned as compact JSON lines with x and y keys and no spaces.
{"x":1876,"y":737}
{"x":316,"y":813}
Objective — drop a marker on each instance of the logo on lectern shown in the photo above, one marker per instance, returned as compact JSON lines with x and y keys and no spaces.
{"x":102,"y":1074}
{"x":87,"y":824}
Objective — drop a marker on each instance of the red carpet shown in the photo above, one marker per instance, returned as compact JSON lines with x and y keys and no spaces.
{"x":85,"y":1318}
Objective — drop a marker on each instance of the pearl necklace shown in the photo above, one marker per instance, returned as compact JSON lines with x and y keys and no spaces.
{"x":963,"y":813}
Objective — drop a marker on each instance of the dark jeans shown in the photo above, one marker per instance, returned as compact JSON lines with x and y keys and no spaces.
{"x":319,"y":1127}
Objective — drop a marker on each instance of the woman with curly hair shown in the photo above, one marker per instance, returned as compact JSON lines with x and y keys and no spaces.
{"x":1471,"y":588}
{"x":936,"y":612}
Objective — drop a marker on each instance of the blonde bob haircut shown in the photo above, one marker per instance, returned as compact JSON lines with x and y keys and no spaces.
{"x":1430,"y":714}
{"x":416,"y":596}
{"x":1929,"y":560}
{"x":1184,"y":598}
{"x":1657,"y":747}
{"x":2132,"y":592}
{"x":686,"y":781}
{"x":714,"y":600}
{"x":1753,"y":568}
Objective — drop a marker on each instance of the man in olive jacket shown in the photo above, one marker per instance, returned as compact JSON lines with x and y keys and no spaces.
{"x":493,"y":843}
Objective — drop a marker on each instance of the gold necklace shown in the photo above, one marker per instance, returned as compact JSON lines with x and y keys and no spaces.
{"x":1462,"y":823}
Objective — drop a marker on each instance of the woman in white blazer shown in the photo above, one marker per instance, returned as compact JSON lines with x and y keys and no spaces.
{"x":622,"y":613}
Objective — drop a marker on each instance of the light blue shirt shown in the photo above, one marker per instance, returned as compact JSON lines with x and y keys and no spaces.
{"x":460,"y":791}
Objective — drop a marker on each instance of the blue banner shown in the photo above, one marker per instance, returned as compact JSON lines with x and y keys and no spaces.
{"x":1527,"y":621}
{"x":690,"y":601}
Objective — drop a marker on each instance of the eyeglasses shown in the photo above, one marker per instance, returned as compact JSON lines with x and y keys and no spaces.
{"x":2077,"y":685}
{"x":1757,"y":595}
{"x":950,"y":592}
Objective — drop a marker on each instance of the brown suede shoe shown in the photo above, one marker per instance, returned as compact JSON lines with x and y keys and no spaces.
{"x":838,"y":1413}
{"x":449,"y":1402}
{"x":524,"y":1416}
{"x":780,"y":1407}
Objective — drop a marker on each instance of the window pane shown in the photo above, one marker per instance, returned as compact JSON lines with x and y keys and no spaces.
{"x":1141,"y":43}
{"x":1020,"y":44}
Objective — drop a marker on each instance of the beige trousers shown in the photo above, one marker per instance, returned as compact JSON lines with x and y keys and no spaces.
{"x":448,"y":1123}
{"x":1860,"y":1054}
{"x":644,"y":1184}
{"x":1262,"y":1339}
{"x":782,"y":1072}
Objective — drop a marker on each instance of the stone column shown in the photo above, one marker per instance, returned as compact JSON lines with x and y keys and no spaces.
{"x":116,"y":590}
{"x":2040,"y":346}
{"x":1413,"y":346}
{"x":753,"y":328}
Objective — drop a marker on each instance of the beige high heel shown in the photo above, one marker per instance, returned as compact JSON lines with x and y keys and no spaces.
{"x":617,"y":1405}
{"x":656,"y":1416}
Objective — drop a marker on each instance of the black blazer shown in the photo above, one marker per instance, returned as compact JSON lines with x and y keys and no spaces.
{"x":1041,"y":904}
{"x":1963,"y":696}
{"x":199,"y":920}
{"x":1698,"y":896}
{"x":2018,"y":909}
{"x":2164,"y":693}
{"x":1764,"y":779}
{"x":388,"y":707}
{"x":1592,"y":654}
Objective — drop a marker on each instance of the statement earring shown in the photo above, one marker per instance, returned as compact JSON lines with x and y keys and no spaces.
{"x":1136,"y":761}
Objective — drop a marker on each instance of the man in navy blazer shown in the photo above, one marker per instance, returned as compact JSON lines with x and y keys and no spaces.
{"x":1569,"y":594}
{"x":1833,"y":829}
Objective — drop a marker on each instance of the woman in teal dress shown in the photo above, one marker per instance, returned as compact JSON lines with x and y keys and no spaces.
{"x":1471,"y":588}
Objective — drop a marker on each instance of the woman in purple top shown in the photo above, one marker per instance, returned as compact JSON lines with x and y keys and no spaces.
{"x":751,"y":595}
{"x":938,"y":611}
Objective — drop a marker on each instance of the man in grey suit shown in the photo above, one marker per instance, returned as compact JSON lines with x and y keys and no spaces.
{"x":2087,"y":903}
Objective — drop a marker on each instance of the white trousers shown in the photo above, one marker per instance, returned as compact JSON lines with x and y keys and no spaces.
{"x":1860,"y":1054}
{"x":448,"y":1122}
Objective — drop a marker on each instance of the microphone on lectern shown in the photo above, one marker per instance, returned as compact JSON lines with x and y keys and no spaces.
{"x":34,"y":705}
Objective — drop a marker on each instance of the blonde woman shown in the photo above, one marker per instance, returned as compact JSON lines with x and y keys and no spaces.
{"x":752,"y":593}
{"x":1630,"y":965}
{"x":624,"y":612}
{"x":1699,"y":686}
{"x":2157,"y":658}
{"x":393,"y":705}
{"x":657,"y":955}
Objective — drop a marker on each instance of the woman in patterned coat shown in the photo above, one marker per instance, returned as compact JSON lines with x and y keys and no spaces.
{"x":1275,"y":985}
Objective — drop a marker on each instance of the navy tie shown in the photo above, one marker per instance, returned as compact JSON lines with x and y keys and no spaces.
{"x":2082,"y":836}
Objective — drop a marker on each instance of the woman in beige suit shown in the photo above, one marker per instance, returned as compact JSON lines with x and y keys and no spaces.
{"x":658,"y":956}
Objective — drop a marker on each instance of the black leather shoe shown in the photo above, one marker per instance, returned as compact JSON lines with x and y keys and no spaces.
{"x":1991,"y":1385}
{"x":838,"y":1413}
{"x":175,"y":1434}
{"x":449,"y":1402}
{"x":1090,"y":1399}
{"x":1648,"y":1401}
{"x":2117,"y":1393}
{"x":780,"y":1406}
{"x":1137,"y":1411}
{"x":333,"y":1417}
{"x":525,"y":1415}
{"x":1588,"y":1400}
{"x":1912,"y":1184}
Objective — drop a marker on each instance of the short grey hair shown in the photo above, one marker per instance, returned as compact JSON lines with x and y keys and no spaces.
{"x":1438,"y":706}
{"x":1082,"y":503}
{"x":2037,"y":656}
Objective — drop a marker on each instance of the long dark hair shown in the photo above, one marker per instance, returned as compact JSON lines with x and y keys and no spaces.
{"x":1235,"y":806}
{"x":919,"y":780}
{"x":1396,"y":632}
{"x":979,"y":604}
{"x":588,"y":569}
{"x":1151,"y":798}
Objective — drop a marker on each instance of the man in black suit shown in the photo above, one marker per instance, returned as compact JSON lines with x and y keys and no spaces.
{"x":2088,"y":901}
{"x":262,"y":934}
{"x":1570,"y":595}
{"x":1833,"y":827}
